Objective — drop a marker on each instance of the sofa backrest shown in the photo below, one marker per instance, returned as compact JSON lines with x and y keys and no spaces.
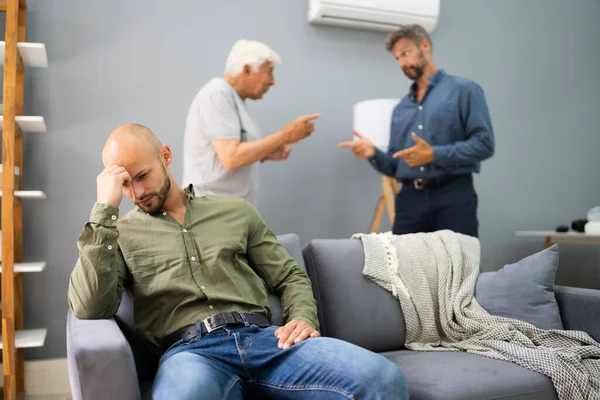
{"x":146,"y":358}
{"x":351,"y":307}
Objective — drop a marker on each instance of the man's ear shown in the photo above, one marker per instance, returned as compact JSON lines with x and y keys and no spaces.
{"x":426,"y":46}
{"x":166,"y":155}
{"x":247,"y":69}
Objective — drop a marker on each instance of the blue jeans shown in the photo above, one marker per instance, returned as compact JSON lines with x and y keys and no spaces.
{"x":452,"y":206}
{"x":238,"y":363}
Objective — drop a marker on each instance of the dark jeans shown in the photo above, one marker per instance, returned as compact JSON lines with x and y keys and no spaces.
{"x":451,"y":206}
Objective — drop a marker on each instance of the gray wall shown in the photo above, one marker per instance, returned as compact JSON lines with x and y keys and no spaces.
{"x":114,"y":62}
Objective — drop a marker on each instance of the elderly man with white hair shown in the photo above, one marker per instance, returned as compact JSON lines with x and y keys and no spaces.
{"x":222,"y":143}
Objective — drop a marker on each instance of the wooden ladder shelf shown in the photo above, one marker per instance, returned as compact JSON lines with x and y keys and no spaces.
{"x":16,"y":54}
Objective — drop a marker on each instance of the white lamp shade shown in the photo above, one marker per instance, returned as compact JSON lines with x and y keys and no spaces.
{"x":373,"y":120}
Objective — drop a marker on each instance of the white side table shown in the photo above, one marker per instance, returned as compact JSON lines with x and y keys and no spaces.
{"x":552,"y":237}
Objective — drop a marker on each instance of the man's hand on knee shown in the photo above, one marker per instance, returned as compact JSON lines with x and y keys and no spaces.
{"x":294,"y":332}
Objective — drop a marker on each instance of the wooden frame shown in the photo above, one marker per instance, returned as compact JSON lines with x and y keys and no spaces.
{"x":12,"y":222}
{"x":389,"y":190}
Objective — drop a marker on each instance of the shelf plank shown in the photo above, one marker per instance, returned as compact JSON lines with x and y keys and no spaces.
{"x":28,"y":194}
{"x":28,"y":267}
{"x":27,"y":123}
{"x":28,"y":338}
{"x":32,"y":54}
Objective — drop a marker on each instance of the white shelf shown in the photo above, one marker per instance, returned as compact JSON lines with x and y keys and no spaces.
{"x":28,"y":194}
{"x":567,"y":235}
{"x":563,"y":237}
{"x":29,"y":338}
{"x":32,"y":54}
{"x":31,"y":124}
{"x":28,"y":267}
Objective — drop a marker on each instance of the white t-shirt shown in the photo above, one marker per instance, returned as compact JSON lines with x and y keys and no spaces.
{"x":218,"y":112}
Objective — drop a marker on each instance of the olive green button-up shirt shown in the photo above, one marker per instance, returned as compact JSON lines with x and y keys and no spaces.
{"x":222,"y":258}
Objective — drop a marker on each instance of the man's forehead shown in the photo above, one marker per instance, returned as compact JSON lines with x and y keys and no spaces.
{"x":131,"y":161}
{"x":268,"y":65}
{"x":403,"y":44}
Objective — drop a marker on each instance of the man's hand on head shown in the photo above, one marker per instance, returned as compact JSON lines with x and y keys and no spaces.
{"x":110,"y":183}
{"x":294,"y":332}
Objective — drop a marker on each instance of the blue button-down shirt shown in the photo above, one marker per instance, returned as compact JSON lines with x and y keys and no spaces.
{"x":453,"y":118}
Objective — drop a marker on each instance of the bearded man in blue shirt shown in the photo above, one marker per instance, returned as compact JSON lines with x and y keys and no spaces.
{"x":440,"y":132}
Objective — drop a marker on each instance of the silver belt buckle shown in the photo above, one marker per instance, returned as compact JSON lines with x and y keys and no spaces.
{"x":419,"y":184}
{"x":207,"y":325}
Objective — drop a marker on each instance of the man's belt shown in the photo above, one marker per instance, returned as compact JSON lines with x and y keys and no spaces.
{"x":213,"y":323}
{"x":421,"y":184}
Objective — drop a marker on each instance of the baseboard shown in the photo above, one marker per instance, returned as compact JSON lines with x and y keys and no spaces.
{"x":46,"y":377}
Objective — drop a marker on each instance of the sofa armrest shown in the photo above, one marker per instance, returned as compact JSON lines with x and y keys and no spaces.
{"x":579,"y":308}
{"x":101,"y":364}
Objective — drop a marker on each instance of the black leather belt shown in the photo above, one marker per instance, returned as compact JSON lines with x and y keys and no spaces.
{"x":420,"y":184}
{"x":213,"y":323}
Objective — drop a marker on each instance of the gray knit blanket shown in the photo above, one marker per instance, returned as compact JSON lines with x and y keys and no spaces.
{"x":433,"y":275}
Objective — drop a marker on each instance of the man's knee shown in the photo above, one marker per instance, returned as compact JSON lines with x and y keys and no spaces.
{"x":185,"y":376}
{"x":385,"y":379}
{"x":393,"y":378}
{"x":371,"y":375}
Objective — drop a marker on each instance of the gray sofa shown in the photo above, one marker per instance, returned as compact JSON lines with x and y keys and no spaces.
{"x":108,"y":360}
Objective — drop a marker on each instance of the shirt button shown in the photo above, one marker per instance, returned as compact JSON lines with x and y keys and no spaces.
{"x":420,"y":107}
{"x":422,"y":169}
{"x":193,"y":258}
{"x":113,"y":217}
{"x":164,"y":213}
{"x":420,"y":126}
{"x":109,"y":247}
{"x":211,"y":307}
{"x":185,"y":230}
{"x":202,"y":287}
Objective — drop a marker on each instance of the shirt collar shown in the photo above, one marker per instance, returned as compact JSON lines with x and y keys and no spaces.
{"x":433,"y":80}
{"x":437,"y":77}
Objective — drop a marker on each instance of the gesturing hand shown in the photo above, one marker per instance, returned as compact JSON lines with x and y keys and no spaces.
{"x":300,"y":128}
{"x":280,"y":154}
{"x":419,"y":154}
{"x":362,"y":148}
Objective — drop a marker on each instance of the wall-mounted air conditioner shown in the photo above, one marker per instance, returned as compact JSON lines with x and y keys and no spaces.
{"x":381,"y":15}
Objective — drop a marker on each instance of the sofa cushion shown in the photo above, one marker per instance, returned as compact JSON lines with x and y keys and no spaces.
{"x":351,"y":307}
{"x":523,"y":290}
{"x":464,"y":376}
